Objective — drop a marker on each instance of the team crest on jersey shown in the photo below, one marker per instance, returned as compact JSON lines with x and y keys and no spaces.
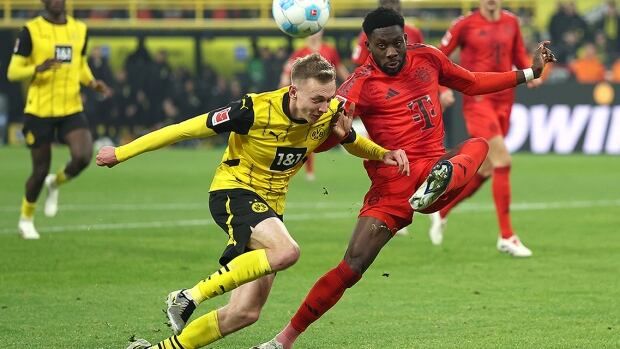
{"x":422,"y":74}
{"x":259,"y":207}
{"x":220,"y":116}
{"x":317,"y":133}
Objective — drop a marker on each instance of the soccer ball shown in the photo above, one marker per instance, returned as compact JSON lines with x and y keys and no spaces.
{"x":300,"y":18}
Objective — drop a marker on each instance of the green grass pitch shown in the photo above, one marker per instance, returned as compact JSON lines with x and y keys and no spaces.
{"x":125,"y":237}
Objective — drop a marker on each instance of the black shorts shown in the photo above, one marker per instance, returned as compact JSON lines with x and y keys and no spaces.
{"x":236,"y":211}
{"x":38,"y":131}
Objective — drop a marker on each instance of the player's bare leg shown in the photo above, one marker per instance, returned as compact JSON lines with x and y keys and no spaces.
{"x":41,"y":158}
{"x":273,"y":249}
{"x":80,"y":144}
{"x":501,"y":161}
{"x":369,"y":237}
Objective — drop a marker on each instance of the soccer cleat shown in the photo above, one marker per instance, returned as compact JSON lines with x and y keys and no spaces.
{"x":513,"y":246}
{"x":27,"y":229}
{"x":139,"y":344}
{"x":437,"y":229}
{"x":403,"y":232}
{"x":180,"y":307}
{"x":433,"y":187}
{"x":272,"y":344}
{"x":51,"y":201}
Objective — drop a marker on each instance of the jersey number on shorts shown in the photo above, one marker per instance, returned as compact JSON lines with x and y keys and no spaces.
{"x":423,"y":110}
{"x":287,"y":158}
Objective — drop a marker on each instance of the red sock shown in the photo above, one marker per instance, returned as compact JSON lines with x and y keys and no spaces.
{"x":501,"y":196}
{"x":324,"y":294}
{"x":466,"y":158}
{"x":470,"y":188}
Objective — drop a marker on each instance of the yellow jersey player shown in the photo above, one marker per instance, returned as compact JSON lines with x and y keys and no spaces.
{"x":50,"y":52}
{"x":272,"y":134}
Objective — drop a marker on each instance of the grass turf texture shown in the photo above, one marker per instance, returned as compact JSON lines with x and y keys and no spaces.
{"x":105,"y":263}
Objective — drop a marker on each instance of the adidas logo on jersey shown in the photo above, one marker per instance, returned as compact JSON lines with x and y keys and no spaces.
{"x":391,"y":93}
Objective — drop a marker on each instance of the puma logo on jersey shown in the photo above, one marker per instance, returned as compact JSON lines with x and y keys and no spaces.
{"x":275,"y":135}
{"x":391,"y":93}
{"x":243,"y":106}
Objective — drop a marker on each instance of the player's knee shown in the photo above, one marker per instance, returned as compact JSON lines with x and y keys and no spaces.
{"x":39,"y":172}
{"x":247,"y":317}
{"x":83,"y":160}
{"x":285,"y":257}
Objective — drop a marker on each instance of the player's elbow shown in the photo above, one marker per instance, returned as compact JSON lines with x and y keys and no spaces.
{"x":12,"y":74}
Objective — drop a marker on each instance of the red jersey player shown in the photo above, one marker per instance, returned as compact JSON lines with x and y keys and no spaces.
{"x":396,"y":96}
{"x":490,"y":40}
{"x":314,"y":44}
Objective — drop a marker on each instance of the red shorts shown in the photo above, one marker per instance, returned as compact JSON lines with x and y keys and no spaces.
{"x":389,"y":193}
{"x":487,"y":118}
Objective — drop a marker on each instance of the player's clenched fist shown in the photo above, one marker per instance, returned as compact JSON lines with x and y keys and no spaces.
{"x":107,"y":156}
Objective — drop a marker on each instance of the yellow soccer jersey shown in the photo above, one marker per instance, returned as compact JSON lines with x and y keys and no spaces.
{"x":55,"y":92}
{"x":266,"y":146}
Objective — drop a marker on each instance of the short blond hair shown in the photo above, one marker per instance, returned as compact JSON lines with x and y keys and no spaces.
{"x":313,"y":66}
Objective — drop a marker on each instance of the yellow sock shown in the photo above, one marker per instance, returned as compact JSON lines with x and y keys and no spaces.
{"x":198,"y":333}
{"x":27,"y":210}
{"x":61,"y":177}
{"x":243,"y":269}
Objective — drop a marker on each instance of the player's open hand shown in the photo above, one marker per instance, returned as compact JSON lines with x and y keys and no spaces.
{"x":107,"y":156}
{"x":101,"y":87}
{"x":49,"y":63}
{"x":542,"y":56}
{"x":397,"y":158}
{"x":342,"y":120}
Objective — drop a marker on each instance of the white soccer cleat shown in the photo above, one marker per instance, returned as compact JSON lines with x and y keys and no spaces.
{"x":403,"y":232}
{"x":27,"y":229}
{"x":437,"y":229}
{"x":272,"y":344}
{"x":433,"y":187}
{"x":139,"y":344}
{"x":179,"y":308}
{"x":513,"y":246}
{"x":51,"y":201}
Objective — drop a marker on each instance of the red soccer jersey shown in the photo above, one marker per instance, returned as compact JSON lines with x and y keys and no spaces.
{"x":488,"y":46}
{"x":403,"y":111}
{"x":360,"y":53}
{"x":326,"y":51}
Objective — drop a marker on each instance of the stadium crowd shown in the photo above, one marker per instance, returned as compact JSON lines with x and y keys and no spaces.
{"x":150,"y":92}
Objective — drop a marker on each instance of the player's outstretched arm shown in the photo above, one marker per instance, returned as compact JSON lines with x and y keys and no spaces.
{"x":478,"y":83}
{"x":192,"y":128}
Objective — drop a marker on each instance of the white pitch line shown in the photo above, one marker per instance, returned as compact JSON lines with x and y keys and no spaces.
{"x":351,"y":214}
{"x":173,"y":223}
{"x":178,"y":206}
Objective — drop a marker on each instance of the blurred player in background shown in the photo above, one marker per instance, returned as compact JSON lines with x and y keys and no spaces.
{"x":314,"y":44}
{"x":397,"y":97}
{"x":490,"y":40}
{"x":271,"y":134}
{"x":51,"y":52}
